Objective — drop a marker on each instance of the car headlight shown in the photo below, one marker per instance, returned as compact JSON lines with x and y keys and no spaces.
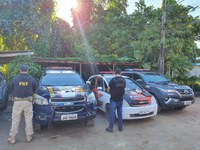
{"x":167,"y":90}
{"x":40,"y":100}
{"x":91,"y":98}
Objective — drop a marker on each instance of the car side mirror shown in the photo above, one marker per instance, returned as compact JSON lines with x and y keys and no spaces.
{"x":88,"y":82}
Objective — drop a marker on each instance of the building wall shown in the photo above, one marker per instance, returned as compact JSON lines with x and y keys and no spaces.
{"x":195,"y":71}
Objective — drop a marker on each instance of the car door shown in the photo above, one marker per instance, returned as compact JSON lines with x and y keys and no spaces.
{"x":99,"y":87}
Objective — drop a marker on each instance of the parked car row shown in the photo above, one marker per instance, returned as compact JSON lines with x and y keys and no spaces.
{"x":63,"y":96}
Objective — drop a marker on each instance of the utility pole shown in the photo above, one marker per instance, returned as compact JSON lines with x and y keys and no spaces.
{"x":162,"y":49}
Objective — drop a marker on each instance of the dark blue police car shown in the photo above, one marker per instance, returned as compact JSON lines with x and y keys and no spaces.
{"x":63,"y":96}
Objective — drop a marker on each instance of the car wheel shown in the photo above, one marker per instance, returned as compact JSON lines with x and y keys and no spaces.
{"x":5,"y":103}
{"x":89,"y":122}
{"x":107,"y":113}
{"x":181,"y":108}
{"x":37,"y":127}
{"x":159,"y":107}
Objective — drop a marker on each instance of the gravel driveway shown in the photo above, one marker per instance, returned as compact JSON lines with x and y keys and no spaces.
{"x":169,"y":130}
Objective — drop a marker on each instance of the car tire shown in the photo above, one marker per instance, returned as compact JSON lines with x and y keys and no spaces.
{"x":181,"y":108}
{"x":5,"y":104}
{"x":159,"y":107}
{"x":89,"y":122}
{"x":37,"y":127}
{"x":107,"y":113}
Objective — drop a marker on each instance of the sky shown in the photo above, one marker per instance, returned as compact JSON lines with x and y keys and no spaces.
{"x":64,"y":6}
{"x":157,"y":4}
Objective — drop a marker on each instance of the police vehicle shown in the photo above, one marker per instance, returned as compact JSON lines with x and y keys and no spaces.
{"x":137,"y":102}
{"x":63,"y":96}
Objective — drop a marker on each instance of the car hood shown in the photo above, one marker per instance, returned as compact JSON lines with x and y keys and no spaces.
{"x":169,"y":85}
{"x":138,"y":97}
{"x":138,"y":94}
{"x":62,"y":91}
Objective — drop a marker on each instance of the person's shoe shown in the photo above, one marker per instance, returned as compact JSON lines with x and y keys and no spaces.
{"x":29,"y":138}
{"x":12,"y":140}
{"x":109,"y":130}
{"x":120,"y":129}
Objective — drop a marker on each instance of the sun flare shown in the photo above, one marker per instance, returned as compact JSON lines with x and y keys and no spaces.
{"x":63,"y":9}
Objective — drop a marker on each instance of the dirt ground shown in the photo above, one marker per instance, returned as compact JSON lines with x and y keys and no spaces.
{"x":169,"y":130}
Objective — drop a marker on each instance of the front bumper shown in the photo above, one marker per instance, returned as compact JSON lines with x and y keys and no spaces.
{"x":176,"y":101}
{"x":139,"y":112}
{"x":46,"y":115}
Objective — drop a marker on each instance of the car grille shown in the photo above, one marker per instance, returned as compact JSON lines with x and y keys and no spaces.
{"x":69,"y":109}
{"x":185,"y":91}
{"x":67,"y":99}
{"x":140,"y":115}
{"x":139,"y":102}
{"x":185,"y":94}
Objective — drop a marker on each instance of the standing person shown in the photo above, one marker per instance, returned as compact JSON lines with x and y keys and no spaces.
{"x":22,"y":87}
{"x":116,"y":89}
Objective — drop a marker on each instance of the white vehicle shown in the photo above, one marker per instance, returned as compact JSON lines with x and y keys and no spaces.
{"x":137,"y":103}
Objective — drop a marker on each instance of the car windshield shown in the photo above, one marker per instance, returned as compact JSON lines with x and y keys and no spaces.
{"x":130,"y":84}
{"x":65,"y":79}
{"x":155,"y":78}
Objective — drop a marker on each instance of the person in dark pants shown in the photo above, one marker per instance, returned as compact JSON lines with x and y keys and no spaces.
{"x":116,"y":89}
{"x":23,"y":87}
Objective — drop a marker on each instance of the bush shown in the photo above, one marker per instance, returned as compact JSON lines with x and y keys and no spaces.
{"x":35,"y":69}
{"x":193,"y":82}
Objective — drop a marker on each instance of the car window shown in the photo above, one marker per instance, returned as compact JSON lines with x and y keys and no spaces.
{"x":130,"y":84}
{"x":93,"y":82}
{"x":128,"y":75}
{"x":100,"y":82}
{"x":136,"y":76}
{"x":156,"y":78}
{"x":65,"y":79}
{"x":105,"y":85}
{"x":108,"y":79}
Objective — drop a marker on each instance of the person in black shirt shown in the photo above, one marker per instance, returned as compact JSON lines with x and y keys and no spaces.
{"x":116,"y":89}
{"x":22,"y":86}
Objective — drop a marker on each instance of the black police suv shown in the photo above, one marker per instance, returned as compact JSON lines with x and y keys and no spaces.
{"x":3,"y":93}
{"x":167,"y":93}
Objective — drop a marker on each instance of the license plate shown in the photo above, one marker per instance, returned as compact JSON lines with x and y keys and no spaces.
{"x":187,"y":102}
{"x":143,"y":112}
{"x":69,"y":117}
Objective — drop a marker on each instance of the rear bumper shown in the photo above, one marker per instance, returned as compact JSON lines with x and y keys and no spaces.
{"x":139,"y":112}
